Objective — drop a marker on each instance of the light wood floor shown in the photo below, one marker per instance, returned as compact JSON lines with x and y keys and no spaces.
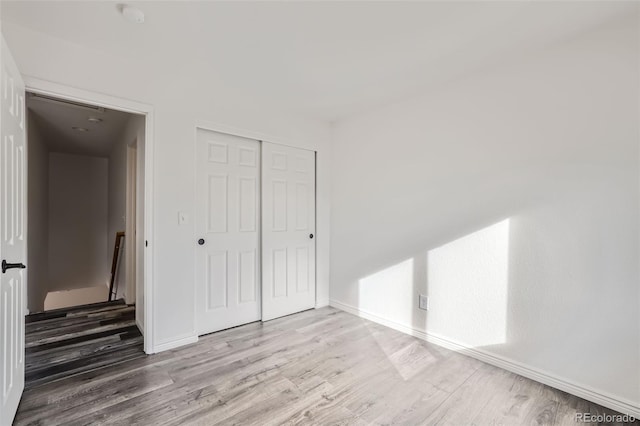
{"x":317,"y":367}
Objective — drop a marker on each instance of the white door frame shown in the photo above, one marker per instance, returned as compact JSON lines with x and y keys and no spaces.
{"x":131,"y":217}
{"x":61,"y":91}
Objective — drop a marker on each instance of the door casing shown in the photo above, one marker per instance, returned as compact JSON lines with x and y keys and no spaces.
{"x":131,"y":218}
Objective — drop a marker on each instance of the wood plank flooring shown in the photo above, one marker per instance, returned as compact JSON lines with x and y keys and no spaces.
{"x":317,"y":367}
{"x":70,"y":341}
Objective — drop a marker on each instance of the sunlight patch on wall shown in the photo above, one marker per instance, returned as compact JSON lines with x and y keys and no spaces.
{"x":468,"y":286}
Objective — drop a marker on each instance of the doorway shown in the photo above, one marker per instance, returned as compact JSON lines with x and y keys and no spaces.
{"x":14,"y":201}
{"x":145,"y":200}
{"x":81,"y":185}
{"x":83,"y":199}
{"x":78,"y":178}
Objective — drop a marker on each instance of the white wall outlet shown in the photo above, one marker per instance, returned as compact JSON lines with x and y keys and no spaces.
{"x":423,"y":302}
{"x":183,"y":218}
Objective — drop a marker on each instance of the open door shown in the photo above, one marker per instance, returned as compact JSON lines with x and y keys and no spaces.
{"x":13,"y":242}
{"x":288,"y":228}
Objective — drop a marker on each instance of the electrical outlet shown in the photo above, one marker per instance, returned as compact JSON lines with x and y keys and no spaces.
{"x":423,"y":302}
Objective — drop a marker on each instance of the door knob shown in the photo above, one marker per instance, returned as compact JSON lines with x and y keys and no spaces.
{"x":6,"y":266}
{"x":201,"y":241}
{"x":310,"y":235}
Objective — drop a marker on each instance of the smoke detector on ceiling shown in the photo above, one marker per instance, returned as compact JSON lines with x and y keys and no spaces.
{"x":132,"y":14}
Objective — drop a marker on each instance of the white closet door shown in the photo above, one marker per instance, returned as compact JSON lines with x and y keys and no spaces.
{"x":288,"y":228}
{"x":227,"y":229}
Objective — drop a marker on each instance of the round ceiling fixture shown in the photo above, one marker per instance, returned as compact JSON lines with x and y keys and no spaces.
{"x":80,"y":129}
{"x":94,"y":120}
{"x":132,"y":14}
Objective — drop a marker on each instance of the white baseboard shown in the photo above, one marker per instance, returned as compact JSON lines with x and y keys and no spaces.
{"x":175,"y":344}
{"x":322,"y":303}
{"x":601,"y":398}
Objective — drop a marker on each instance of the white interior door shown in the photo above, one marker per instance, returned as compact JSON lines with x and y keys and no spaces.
{"x":228,"y":231}
{"x":13,"y":243}
{"x":288,"y":228}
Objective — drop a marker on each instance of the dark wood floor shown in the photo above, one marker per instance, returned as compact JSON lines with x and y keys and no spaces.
{"x":69,"y":341}
{"x":318,"y":367}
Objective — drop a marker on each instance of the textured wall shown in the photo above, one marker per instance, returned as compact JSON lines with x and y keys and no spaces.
{"x":510,"y":197}
{"x":77,"y":221}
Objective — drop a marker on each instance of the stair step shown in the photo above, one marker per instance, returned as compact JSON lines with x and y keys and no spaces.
{"x":69,"y":321}
{"x":82,"y":330}
{"x":89,"y":312}
{"x":61,"y":312}
{"x":69,"y":355}
{"x":52,"y":351}
{"x":80,"y":325}
{"x":90,"y":334}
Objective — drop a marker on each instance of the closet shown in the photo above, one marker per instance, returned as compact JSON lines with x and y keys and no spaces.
{"x":255,"y":225}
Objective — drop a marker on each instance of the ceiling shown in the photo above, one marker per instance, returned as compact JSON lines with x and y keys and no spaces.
{"x":326,"y":60}
{"x":55,"y":122}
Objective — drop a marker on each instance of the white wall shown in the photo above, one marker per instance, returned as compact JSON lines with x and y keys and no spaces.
{"x":75,"y":297}
{"x":510,"y":198}
{"x":38,"y":220}
{"x":182,"y":97}
{"x":117,"y":196}
{"x":77,"y":221}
